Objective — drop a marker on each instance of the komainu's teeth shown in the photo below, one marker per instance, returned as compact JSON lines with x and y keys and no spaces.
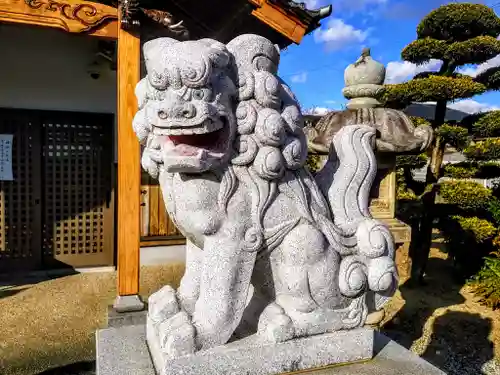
{"x":208,"y":126}
{"x":175,"y":131}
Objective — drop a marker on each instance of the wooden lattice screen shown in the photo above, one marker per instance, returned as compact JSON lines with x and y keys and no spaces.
{"x":77,"y":164}
{"x":156,"y":226}
{"x":58,"y":211}
{"x":20,"y":198}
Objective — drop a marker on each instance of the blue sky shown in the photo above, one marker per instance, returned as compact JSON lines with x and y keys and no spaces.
{"x":315,"y":68}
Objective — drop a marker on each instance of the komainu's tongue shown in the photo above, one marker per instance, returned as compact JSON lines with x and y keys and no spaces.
{"x":187,"y":150}
{"x":199,"y":140}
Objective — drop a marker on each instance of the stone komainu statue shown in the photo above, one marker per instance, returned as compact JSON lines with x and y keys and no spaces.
{"x":270,"y":249}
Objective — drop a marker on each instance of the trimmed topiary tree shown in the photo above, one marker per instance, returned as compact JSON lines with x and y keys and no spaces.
{"x":456,"y":34}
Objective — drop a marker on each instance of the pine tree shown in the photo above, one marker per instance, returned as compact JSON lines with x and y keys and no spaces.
{"x":458,"y":35}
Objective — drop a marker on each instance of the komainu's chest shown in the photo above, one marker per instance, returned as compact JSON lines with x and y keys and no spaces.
{"x":192,"y":203}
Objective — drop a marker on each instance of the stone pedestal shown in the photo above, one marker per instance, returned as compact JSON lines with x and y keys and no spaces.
{"x":253,"y":356}
{"x":123,"y":351}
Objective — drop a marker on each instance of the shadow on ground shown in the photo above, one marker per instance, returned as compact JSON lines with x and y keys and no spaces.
{"x":10,"y":291}
{"x":455,"y":341}
{"x":79,"y":368}
{"x":12,"y":284}
{"x":466,"y":356}
{"x":422,"y":301}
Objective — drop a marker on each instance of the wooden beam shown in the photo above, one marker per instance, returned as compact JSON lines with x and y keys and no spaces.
{"x":72,"y":16}
{"x":129,"y":172}
{"x":279,"y":20}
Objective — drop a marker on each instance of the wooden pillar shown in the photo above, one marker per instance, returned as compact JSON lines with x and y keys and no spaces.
{"x":128,"y":225}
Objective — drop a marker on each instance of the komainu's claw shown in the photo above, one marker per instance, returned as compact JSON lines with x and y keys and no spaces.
{"x":275,"y":325}
{"x":163,"y":304}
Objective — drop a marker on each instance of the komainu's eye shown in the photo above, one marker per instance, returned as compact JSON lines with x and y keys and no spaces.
{"x":198,"y":94}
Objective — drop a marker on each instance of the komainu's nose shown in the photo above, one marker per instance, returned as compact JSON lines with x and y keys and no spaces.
{"x":186,"y":110}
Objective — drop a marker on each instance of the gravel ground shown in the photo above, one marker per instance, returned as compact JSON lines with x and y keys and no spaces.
{"x":50,"y":324}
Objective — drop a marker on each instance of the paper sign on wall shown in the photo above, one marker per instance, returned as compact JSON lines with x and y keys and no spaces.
{"x":6,"y":157}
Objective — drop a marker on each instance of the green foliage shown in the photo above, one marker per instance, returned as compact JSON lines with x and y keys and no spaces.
{"x":468,"y":240}
{"x":402,"y":191}
{"x":472,"y":51}
{"x":313,"y":162}
{"x":454,"y":135}
{"x":490,"y":78}
{"x":411,"y":161}
{"x":482,"y":230}
{"x":467,"y":195}
{"x":494,"y":210}
{"x":432,"y":88}
{"x":459,"y":171}
{"x":483,"y":150}
{"x":418,"y":121}
{"x":459,"y":22}
{"x":422,"y":50}
{"x":472,"y":170}
{"x":486,"y":284}
{"x":487,"y":125}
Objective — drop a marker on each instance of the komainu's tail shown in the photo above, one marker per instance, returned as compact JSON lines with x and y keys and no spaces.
{"x":346,"y":181}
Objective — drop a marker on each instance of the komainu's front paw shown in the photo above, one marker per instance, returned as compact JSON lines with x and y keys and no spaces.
{"x":177,"y":335}
{"x":150,"y":161}
{"x":173,"y":325}
{"x":163,"y":304}
{"x":275,"y":325}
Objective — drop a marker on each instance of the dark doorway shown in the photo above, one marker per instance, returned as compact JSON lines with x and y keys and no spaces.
{"x":58,"y":210}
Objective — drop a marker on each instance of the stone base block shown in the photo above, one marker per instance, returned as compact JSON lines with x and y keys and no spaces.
{"x":123,"y":351}
{"x":403,"y":261}
{"x":118,"y":319}
{"x":253,"y":356}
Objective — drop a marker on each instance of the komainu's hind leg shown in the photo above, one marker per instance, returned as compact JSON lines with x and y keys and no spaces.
{"x":306,"y":278}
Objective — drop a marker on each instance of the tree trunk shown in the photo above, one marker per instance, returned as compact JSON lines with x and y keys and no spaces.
{"x":423,"y":247}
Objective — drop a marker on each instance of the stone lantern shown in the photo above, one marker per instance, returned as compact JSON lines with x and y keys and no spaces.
{"x":396,"y":135}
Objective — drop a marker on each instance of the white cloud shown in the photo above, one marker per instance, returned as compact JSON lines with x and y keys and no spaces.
{"x":472,"y":106}
{"x":338,"y":34}
{"x":330,"y":102}
{"x":299,"y":78}
{"x":474,"y":71}
{"x":317,"y":111}
{"x":400,"y":71}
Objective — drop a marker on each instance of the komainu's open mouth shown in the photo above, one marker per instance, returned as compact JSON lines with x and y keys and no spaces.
{"x":193,"y":148}
{"x":209,"y":137}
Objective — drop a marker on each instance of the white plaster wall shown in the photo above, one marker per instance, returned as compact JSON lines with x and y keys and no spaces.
{"x":43,"y":68}
{"x":48,"y":69}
